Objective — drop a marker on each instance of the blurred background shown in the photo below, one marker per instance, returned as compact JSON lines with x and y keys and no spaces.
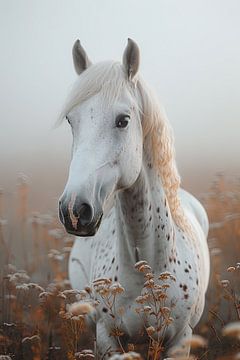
{"x":190,"y":55}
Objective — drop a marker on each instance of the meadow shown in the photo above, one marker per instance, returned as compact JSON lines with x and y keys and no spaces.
{"x":40,"y":316}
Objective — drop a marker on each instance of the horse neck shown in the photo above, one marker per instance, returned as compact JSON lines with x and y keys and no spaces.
{"x":146,"y":228}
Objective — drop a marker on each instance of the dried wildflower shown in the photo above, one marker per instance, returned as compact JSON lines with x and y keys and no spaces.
{"x":22,"y":289}
{"x":232,"y":329}
{"x":70,"y":292}
{"x":150,"y":330}
{"x":116,"y":289}
{"x":116,"y":332}
{"x":88,"y":289}
{"x":126,"y":356}
{"x":149,"y":284}
{"x":20,"y":277}
{"x":238,"y":265}
{"x":82,"y":294}
{"x":35,"y":287}
{"x":165,"y":275}
{"x":196,"y":342}
{"x":64,"y":315}
{"x":80,"y":308}
{"x":140,"y":263}
{"x":140,"y":299}
{"x":231,"y":269}
{"x":31,"y":339}
{"x":45,"y":295}
{"x":61,"y":296}
{"x":131,"y":347}
{"x":165,"y":286}
{"x":165,"y":310}
{"x":5,"y":357}
{"x":161,"y":296}
{"x":169,"y":321}
{"x":103,"y":291}
{"x":102,"y":281}
{"x":225,"y":283}
{"x":147,"y":309}
{"x":55,"y":255}
{"x":144,"y":268}
{"x":84,"y":354}
{"x":149,"y":275}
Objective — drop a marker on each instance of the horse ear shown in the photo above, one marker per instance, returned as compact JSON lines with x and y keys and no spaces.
{"x":80,"y":59}
{"x":131,"y":59}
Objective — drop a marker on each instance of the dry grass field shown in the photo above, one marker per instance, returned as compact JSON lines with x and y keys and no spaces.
{"x":39,"y":317}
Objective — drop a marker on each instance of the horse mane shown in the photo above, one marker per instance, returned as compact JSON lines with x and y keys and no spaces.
{"x":110,"y":79}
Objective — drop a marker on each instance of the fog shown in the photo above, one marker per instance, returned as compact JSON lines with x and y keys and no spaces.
{"x":189,"y":54}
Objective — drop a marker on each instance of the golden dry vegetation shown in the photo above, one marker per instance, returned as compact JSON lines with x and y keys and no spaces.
{"x":43,"y":318}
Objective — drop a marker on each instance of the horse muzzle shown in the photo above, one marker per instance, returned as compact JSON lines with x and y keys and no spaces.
{"x":79,"y":218}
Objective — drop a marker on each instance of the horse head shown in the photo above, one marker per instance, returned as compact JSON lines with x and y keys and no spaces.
{"x":105,"y":119}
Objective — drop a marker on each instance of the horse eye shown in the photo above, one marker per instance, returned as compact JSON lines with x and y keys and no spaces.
{"x":67,"y":119}
{"x":122,"y":121}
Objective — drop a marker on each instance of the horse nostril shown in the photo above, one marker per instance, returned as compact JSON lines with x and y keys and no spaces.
{"x":85,"y":214}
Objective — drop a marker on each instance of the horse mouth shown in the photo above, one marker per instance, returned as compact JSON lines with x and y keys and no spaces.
{"x":85,"y":231}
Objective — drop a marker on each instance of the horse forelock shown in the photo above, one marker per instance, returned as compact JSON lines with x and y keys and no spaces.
{"x":109,"y":79}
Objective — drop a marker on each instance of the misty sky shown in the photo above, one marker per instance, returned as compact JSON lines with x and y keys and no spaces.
{"x":189,"y":53}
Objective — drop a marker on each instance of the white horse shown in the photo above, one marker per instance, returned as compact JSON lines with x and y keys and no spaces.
{"x":123,"y":199}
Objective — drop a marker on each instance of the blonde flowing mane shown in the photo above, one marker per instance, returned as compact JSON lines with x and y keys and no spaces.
{"x":110,"y":79}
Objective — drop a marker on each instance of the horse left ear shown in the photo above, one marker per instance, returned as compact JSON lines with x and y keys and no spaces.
{"x":80,"y":59}
{"x":131,"y":59}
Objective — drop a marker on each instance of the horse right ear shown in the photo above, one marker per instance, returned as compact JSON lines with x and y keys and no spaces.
{"x":131,"y":59}
{"x":80,"y":59}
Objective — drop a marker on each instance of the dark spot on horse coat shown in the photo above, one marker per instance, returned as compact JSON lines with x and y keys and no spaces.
{"x":184,"y":287}
{"x":105,"y":310}
{"x":186,"y":296}
{"x":186,"y":270}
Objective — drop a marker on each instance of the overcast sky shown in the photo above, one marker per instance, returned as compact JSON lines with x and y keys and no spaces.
{"x":189,"y":53}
